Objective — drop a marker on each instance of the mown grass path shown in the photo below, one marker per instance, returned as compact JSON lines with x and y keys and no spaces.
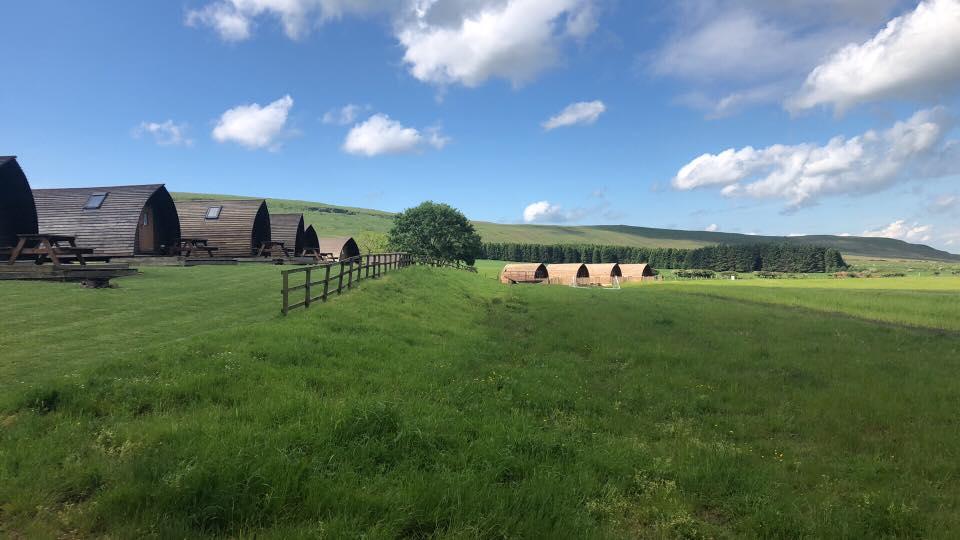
{"x":439,"y":403}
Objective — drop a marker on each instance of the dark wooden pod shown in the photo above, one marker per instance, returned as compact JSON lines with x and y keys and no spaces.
{"x":18,"y":213}
{"x":288,"y":228}
{"x":128,"y":221}
{"x":342,"y":247}
{"x":310,"y":238}
{"x":237,"y":230}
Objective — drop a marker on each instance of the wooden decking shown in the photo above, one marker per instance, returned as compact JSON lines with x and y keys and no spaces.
{"x":91,"y":272}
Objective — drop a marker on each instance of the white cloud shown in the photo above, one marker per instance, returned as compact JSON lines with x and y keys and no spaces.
{"x":166,"y":133}
{"x":513,"y":40}
{"x":544,"y":212}
{"x":234,"y":19}
{"x":254,"y":126}
{"x":802,"y":174}
{"x":345,"y":115}
{"x":380,"y":135}
{"x":584,"y":112}
{"x":901,"y":230}
{"x":445,"y":41}
{"x":944,"y":204}
{"x":713,"y":227}
{"x":916,"y":55}
{"x":741,"y":53}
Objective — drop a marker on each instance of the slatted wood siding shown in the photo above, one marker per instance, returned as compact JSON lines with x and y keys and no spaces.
{"x":242,"y":225}
{"x":310,"y":238}
{"x":342,"y":247}
{"x":18,"y":214}
{"x":288,"y":228}
{"x":111,"y":229}
{"x":603,"y":273}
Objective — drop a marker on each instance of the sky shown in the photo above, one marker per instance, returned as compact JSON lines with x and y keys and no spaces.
{"x":791,"y":117}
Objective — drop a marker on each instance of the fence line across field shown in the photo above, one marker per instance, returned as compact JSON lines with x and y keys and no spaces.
{"x":352,"y":270}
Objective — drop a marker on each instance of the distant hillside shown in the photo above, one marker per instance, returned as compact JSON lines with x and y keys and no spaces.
{"x":335,"y":220}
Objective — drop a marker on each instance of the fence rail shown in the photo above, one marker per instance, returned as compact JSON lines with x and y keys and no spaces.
{"x":335,"y":280}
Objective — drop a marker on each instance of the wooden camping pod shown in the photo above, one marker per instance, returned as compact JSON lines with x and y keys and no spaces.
{"x":288,"y":228}
{"x":569,"y":274}
{"x":342,"y":247}
{"x":18,"y":213}
{"x":636,"y":272}
{"x":119,"y":221}
{"x":603,"y":273}
{"x":310,"y":239}
{"x":524,"y":273}
{"x":236,"y":227}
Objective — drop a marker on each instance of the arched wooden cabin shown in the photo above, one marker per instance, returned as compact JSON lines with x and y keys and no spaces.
{"x":310,"y":238}
{"x":342,"y":247}
{"x":120,"y":221}
{"x":569,"y":274}
{"x":288,"y":228}
{"x":603,"y":273}
{"x":18,"y":213}
{"x":636,"y":272}
{"x":524,"y":273}
{"x":236,"y":227}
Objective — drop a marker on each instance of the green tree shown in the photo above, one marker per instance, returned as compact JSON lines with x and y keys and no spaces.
{"x":436,"y":232}
{"x":373,"y":242}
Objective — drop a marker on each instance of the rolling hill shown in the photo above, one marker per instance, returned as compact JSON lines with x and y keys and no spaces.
{"x":335,"y":220}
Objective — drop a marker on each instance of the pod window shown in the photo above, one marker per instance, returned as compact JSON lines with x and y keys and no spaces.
{"x":95,"y":201}
{"x":214,"y":212}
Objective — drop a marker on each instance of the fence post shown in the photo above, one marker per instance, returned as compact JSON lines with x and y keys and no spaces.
{"x":306,"y":288}
{"x":326,"y":283}
{"x":350,"y":275}
{"x":376,"y":266}
{"x":285,"y":291}
{"x":340,"y":282}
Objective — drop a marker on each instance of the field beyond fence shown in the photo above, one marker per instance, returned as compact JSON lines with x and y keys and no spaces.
{"x":350,"y":271}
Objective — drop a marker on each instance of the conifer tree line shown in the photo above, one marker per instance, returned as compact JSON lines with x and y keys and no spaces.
{"x":774,"y":257}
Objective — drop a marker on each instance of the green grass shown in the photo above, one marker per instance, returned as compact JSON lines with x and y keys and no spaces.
{"x":438,"y":403}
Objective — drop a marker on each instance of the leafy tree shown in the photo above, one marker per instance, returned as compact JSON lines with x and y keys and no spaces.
{"x":436,"y":232}
{"x":373,"y":242}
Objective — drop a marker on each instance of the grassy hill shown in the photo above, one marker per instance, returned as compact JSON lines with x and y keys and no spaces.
{"x":334,"y":220}
{"x":439,"y":404}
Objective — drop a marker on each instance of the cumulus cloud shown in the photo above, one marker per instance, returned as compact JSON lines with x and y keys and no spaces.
{"x":345,"y":115}
{"x":513,"y":40}
{"x":233,"y":20}
{"x":713,"y":227}
{"x":802,"y":174}
{"x":914,"y":56}
{"x":584,"y":112}
{"x":254,"y":126}
{"x":380,"y":135}
{"x":901,"y":230}
{"x":445,"y":41}
{"x":545,"y":212}
{"x":740,"y":53}
{"x":166,"y":133}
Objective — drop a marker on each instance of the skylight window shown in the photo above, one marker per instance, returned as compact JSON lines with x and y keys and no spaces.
{"x":95,"y":201}
{"x":214,"y":212}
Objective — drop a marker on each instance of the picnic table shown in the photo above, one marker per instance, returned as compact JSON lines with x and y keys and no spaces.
{"x":267,"y":247}
{"x":317,"y":254}
{"x":50,"y":246}
{"x":189,"y":244}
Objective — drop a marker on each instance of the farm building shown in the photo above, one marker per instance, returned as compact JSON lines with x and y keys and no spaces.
{"x":288,"y":228}
{"x":119,"y":221}
{"x":603,"y":274}
{"x":569,"y":274}
{"x":18,"y":214}
{"x":524,"y":273}
{"x":342,"y":247}
{"x":310,"y":238}
{"x":636,"y":272}
{"x":236,"y":227}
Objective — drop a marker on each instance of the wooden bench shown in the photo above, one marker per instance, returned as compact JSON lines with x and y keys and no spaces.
{"x":44,"y":246}
{"x":267,"y":246}
{"x":188,"y":245}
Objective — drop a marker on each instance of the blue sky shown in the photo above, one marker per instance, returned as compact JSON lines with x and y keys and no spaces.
{"x":817,"y":117}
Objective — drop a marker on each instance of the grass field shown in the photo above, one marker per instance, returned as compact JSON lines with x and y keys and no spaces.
{"x":440,"y":403}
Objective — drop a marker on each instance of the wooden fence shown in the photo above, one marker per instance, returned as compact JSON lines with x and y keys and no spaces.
{"x":337,"y":276}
